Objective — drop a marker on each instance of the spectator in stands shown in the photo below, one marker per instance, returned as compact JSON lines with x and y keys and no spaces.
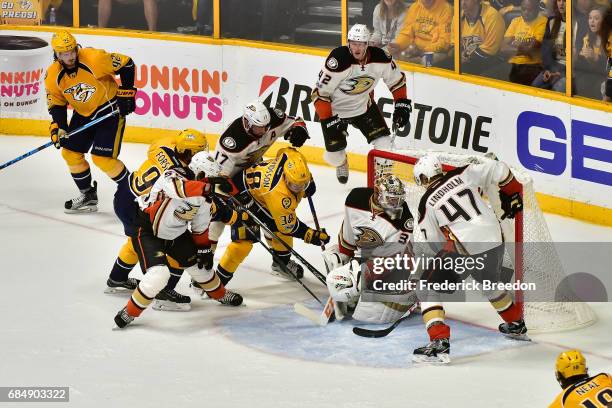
{"x":580,"y":19}
{"x":608,"y":88}
{"x":553,"y":51}
{"x":387,"y":19}
{"x":426,"y":29}
{"x":482,"y":33}
{"x":591,"y":60}
{"x":105,"y":9}
{"x":522,"y":43}
{"x":202,"y":13}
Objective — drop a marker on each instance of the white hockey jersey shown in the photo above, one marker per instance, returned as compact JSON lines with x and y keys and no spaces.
{"x":347,"y":84}
{"x":366,"y":226}
{"x":454,"y":204}
{"x":238,"y":150}
{"x":175,"y":203}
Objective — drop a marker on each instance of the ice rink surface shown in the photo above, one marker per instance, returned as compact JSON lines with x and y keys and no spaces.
{"x":56,"y":322}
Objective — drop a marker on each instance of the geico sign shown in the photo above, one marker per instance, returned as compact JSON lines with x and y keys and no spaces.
{"x":587,"y":161}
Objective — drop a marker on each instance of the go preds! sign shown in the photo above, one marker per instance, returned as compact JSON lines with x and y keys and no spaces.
{"x":440,"y":125}
{"x":175,"y":92}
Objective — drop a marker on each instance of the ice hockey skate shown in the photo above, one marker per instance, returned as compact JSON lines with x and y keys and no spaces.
{"x":86,"y":202}
{"x":116,"y":287}
{"x":342,"y":172}
{"x":515,"y":330}
{"x":230,"y":299}
{"x":436,"y":352}
{"x":294,"y":267}
{"x":123,"y":318}
{"x":169,"y":300}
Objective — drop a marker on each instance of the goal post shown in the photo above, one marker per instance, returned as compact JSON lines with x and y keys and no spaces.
{"x":536,"y":262}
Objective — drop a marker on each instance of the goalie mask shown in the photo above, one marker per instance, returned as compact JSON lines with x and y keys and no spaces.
{"x":204,"y":165}
{"x":256,"y":119}
{"x":390,"y":195}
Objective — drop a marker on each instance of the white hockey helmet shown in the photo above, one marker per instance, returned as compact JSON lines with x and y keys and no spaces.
{"x":390,"y":194}
{"x":203,"y":165}
{"x":256,"y":114}
{"x":343,"y":282}
{"x":426,"y":168}
{"x":359,"y":33}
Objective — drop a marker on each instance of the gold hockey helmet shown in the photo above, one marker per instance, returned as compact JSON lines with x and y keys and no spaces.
{"x":570,"y":363}
{"x":63,"y":41}
{"x":297,"y":174}
{"x":189,"y":142}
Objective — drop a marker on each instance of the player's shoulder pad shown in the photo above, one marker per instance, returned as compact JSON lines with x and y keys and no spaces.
{"x":340,"y":59}
{"x":379,"y":55}
{"x":406,"y":221}
{"x":434,"y":186}
{"x":359,"y":198}
{"x":235,"y":139}
{"x":277,"y":116}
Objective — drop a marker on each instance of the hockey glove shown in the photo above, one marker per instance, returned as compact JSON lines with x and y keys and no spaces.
{"x":222,"y":184}
{"x":59,"y":137}
{"x":204,"y":258}
{"x":126,"y":100}
{"x":401,"y":114}
{"x":334,"y":132}
{"x":298,"y":134}
{"x":510,"y":204}
{"x":316,"y":237}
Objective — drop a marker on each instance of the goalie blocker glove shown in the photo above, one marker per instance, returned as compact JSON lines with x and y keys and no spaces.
{"x":126,"y":100}
{"x":401,"y":114}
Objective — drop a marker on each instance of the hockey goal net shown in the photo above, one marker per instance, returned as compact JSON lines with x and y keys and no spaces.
{"x":539,"y":263}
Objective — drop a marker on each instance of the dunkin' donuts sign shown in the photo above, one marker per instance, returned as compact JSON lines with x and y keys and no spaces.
{"x":23,"y":61}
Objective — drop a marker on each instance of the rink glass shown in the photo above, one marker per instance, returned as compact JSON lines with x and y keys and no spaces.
{"x":318,"y":23}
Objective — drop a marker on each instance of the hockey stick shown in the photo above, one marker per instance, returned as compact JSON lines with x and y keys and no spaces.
{"x":331,"y":309}
{"x":360,"y":331}
{"x":274,"y":255}
{"x":74,"y":132}
{"x":263,"y":226}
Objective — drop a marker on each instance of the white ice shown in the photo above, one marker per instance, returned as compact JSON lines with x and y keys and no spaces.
{"x":56,"y":322}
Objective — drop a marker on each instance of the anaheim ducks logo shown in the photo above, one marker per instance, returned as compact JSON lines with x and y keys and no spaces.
{"x":367,"y":238}
{"x":186,"y":213}
{"x":357,"y":85}
{"x":81,"y":92}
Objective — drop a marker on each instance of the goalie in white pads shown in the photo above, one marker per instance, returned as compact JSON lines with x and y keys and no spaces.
{"x":456,"y":222}
{"x":373,"y":217}
{"x":175,"y":204}
{"x":344,"y":94}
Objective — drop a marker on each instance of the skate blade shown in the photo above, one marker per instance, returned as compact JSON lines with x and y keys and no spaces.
{"x":440,"y":359}
{"x":118,"y":291}
{"x":517,"y":337}
{"x":283,"y":275}
{"x":83,"y":210}
{"x":166,"y":306}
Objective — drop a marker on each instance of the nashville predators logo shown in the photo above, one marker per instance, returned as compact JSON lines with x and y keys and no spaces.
{"x":357,"y":85}
{"x":81,"y":92}
{"x":186,"y":213}
{"x":367,"y":238}
{"x":470,"y":43}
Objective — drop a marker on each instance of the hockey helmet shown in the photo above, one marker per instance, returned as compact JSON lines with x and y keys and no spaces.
{"x":295,"y":169}
{"x":343,"y":282}
{"x":390,"y":194}
{"x":426,"y":168}
{"x":203,"y":165}
{"x":63,"y":41}
{"x":359,"y":33}
{"x":256,"y":118}
{"x":189,"y":142}
{"x":569,"y":364}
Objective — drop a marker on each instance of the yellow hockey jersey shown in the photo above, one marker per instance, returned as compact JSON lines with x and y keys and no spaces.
{"x":265,"y":183}
{"x":160,"y":157}
{"x":593,"y":392}
{"x":523,"y":31}
{"x":486,"y":33}
{"x":90,"y":86}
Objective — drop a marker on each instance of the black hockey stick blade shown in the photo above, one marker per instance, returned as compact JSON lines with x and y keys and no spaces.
{"x":360,"y":331}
